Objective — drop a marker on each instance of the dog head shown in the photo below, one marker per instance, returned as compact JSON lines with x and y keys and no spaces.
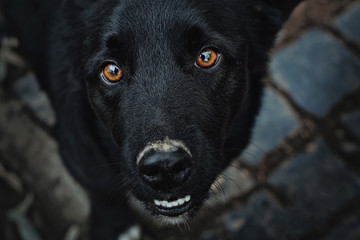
{"x":176,"y":83}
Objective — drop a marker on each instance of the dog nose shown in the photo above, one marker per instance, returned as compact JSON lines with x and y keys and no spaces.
{"x":165,"y":170}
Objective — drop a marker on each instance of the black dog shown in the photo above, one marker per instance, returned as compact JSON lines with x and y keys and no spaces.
{"x":154,"y":98}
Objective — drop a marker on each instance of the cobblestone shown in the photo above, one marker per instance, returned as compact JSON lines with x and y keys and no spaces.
{"x":28,"y":91}
{"x":353,"y":121}
{"x":273,"y":124}
{"x":316,"y":181}
{"x":349,"y":230}
{"x":349,"y":23}
{"x":316,"y":64}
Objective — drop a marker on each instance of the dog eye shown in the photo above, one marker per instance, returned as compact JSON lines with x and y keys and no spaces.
{"x":112,"y":73}
{"x":207,"y":58}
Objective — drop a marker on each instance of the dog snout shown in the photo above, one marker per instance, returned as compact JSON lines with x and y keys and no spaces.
{"x":165,"y":170}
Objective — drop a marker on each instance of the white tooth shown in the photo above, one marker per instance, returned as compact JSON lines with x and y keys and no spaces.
{"x":172,"y":204}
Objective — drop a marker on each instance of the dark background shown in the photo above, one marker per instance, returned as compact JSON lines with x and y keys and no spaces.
{"x":298,"y":179}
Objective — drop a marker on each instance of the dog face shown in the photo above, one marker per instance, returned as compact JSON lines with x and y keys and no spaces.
{"x":171,"y":81}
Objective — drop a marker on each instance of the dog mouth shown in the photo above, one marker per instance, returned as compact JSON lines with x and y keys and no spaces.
{"x":172,"y":207}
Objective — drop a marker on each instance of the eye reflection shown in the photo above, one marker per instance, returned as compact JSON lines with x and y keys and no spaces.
{"x":112,"y":73}
{"x":207,"y":58}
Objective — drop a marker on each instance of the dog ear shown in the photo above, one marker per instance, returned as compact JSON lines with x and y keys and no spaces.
{"x":283,"y":8}
{"x":270,"y":16}
{"x":77,"y":3}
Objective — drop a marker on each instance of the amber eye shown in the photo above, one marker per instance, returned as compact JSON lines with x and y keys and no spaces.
{"x":207,"y":58}
{"x":112,"y":73}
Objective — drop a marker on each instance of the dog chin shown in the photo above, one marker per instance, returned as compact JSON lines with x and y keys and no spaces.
{"x":192,"y":211}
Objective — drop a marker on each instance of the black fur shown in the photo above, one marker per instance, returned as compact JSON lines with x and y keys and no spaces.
{"x":102,"y":126}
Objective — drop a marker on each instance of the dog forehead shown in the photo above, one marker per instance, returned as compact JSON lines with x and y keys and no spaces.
{"x":156,"y":28}
{"x":159,"y":15}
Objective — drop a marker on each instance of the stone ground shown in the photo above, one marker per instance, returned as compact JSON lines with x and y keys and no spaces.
{"x":300,"y":176}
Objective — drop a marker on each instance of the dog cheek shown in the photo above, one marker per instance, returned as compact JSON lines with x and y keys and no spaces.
{"x":101,"y":109}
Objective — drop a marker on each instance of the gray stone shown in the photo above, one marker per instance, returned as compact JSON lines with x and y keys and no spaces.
{"x":3,"y":69}
{"x":316,"y":70}
{"x":254,"y":219}
{"x":349,"y":23}
{"x":251,"y":221}
{"x":210,"y":235}
{"x":29,"y":92}
{"x":350,"y":230}
{"x":251,"y":231}
{"x":353,"y":122}
{"x":317,"y":182}
{"x":274,"y":123}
